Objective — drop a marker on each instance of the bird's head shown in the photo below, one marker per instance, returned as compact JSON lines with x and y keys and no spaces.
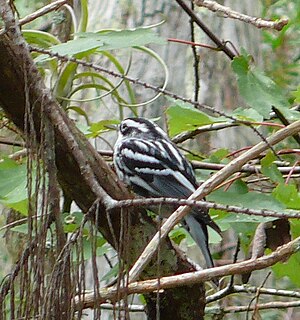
{"x":140,"y":128}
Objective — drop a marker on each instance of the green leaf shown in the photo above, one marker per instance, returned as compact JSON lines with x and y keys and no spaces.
{"x":13,"y":185}
{"x":76,"y":46}
{"x":97,"y":128}
{"x":79,"y":111}
{"x":40,"y":38}
{"x":258,"y":90}
{"x":184,"y":117}
{"x":288,"y":195}
{"x":288,"y":269}
{"x":89,"y":42}
{"x":87,"y":245}
{"x":177,"y":235}
{"x":251,"y":200}
{"x":113,"y":272}
{"x":22,"y":228}
{"x":102,"y":250}
{"x":225,"y":220}
{"x":239,"y":187}
{"x":128,"y":38}
{"x":248,"y":114}
{"x":269,"y":168}
{"x":20,"y":206}
{"x":296,"y":94}
{"x":218,"y":156}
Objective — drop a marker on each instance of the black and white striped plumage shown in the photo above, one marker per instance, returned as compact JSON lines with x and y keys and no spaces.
{"x":147,"y":160}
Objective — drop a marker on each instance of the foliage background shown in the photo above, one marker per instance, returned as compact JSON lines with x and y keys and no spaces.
{"x":223,"y":85}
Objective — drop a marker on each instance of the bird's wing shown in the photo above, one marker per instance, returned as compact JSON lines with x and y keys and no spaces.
{"x":158,"y":167}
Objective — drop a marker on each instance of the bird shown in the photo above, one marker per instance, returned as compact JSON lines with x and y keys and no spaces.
{"x":148,"y":162}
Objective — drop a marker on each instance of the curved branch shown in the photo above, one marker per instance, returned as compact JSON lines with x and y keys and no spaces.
{"x":111,"y":293}
{"x":229,"y":13}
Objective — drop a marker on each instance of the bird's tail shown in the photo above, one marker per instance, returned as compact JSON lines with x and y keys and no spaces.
{"x":199,"y":233}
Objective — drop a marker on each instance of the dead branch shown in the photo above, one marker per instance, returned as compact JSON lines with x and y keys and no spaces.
{"x":262,"y":306}
{"x":251,"y":289}
{"x":41,"y":12}
{"x":227,"y":12}
{"x":149,"y":202}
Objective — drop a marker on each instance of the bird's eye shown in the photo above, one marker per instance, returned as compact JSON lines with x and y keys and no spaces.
{"x":123,"y":127}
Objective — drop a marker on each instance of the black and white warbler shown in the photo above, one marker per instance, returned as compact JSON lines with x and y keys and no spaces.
{"x":151,"y":164}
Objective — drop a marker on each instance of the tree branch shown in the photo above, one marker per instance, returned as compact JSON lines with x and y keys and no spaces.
{"x":248,"y":168}
{"x":250,"y":289}
{"x":220,"y":44}
{"x":149,"y":202}
{"x":111,"y":293}
{"x":227,"y":12}
{"x":44,"y":10}
{"x":262,"y":306}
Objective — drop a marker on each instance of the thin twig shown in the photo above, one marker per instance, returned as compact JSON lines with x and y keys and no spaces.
{"x":256,"y":297}
{"x":17,"y":155}
{"x":248,"y":168}
{"x":152,"y":87}
{"x":18,"y":222}
{"x":149,"y":202}
{"x":220,"y":44}
{"x":251,"y":289}
{"x":136,"y":81}
{"x":193,"y":44}
{"x":262,"y":306}
{"x":131,"y":308}
{"x":12,"y":143}
{"x":41,"y":12}
{"x":196,"y":58}
{"x":292,"y":171}
{"x":181,"y":137}
{"x":227,"y":12}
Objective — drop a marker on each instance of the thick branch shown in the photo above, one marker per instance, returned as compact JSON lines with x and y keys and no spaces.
{"x":280,"y":254}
